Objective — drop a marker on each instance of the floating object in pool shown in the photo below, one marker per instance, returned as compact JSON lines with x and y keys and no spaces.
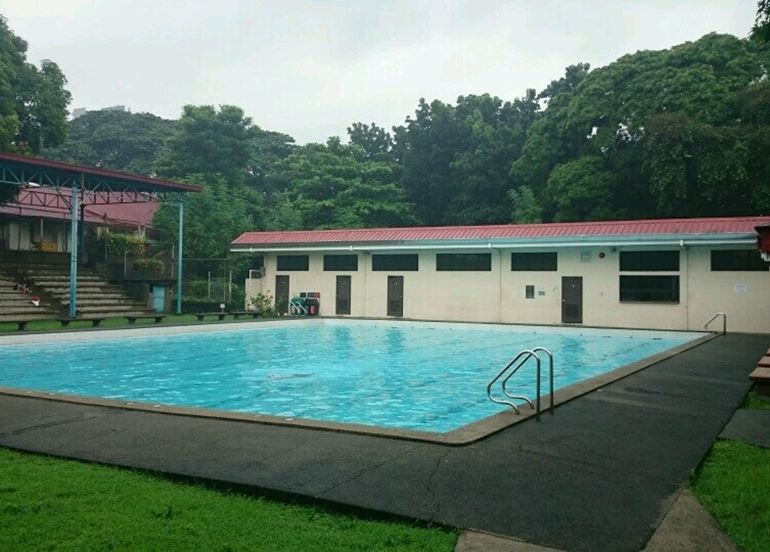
{"x":288,"y":376}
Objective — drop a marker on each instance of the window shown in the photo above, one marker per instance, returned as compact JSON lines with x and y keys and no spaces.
{"x":293,"y":262}
{"x":341,"y":262}
{"x":654,"y":289}
{"x":533,"y":262}
{"x":464,"y":261}
{"x":649,"y":261}
{"x":737,"y":259}
{"x":394,"y":262}
{"x":529,"y":292}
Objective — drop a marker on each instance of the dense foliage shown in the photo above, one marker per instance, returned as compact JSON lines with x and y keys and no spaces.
{"x":33,"y":102}
{"x":677,"y":132}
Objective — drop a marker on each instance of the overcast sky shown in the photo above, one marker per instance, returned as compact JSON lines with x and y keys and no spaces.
{"x":312,"y":68}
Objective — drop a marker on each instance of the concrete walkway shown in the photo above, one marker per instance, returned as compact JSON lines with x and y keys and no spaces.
{"x":598,"y":475}
{"x":749,"y":426}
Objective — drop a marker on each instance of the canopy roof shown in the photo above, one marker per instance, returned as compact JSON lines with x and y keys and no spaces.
{"x":101,"y":185}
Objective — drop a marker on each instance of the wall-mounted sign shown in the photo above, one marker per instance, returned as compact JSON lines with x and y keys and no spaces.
{"x":741,"y":288}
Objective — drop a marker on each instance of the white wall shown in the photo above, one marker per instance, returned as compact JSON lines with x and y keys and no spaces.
{"x":499,"y":295}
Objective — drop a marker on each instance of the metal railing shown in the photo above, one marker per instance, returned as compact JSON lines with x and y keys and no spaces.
{"x":510,"y":370}
{"x":724,"y":322}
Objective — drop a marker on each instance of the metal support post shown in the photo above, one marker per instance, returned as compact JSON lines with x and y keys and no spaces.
{"x":180,"y":251}
{"x":74,"y":250}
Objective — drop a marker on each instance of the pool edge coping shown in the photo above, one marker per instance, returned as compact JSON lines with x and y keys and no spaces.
{"x":465,"y":435}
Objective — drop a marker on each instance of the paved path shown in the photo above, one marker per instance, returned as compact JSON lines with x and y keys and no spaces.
{"x":598,"y":475}
{"x":749,"y":426}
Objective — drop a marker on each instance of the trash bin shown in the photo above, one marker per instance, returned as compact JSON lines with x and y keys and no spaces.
{"x":312,"y":304}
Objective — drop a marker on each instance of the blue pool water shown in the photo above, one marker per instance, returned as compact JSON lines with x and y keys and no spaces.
{"x":420,"y":376}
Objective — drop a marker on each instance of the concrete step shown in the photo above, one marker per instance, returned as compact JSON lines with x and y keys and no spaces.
{"x":107,"y":309}
{"x":66,"y":283}
{"x":65,"y":291}
{"x":99,"y":300}
{"x":24,"y":318}
{"x":26,"y":310}
{"x":63,"y":278}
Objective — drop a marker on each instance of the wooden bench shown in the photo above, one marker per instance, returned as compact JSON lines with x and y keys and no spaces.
{"x":157,"y":317}
{"x":238,"y":314}
{"x":66,"y":321}
{"x":219,"y":315}
{"x":761,"y":379}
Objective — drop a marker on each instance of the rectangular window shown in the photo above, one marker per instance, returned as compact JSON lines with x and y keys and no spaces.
{"x":464,"y":261}
{"x":649,"y":261}
{"x":394,"y":262}
{"x":545,"y":262}
{"x":293,"y":262}
{"x":529,"y":292}
{"x":744,"y":260}
{"x":341,"y":263}
{"x":652,"y":289}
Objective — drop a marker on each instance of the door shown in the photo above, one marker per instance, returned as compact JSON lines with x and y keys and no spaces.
{"x":572,"y":299}
{"x":282,"y":294}
{"x":395,"y":296}
{"x":343,"y":295}
{"x":158,"y":298}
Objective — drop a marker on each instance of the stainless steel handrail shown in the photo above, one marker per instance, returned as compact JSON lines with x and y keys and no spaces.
{"x":550,"y":379}
{"x":527,"y":354}
{"x":724,"y":322}
{"x":521,"y":359}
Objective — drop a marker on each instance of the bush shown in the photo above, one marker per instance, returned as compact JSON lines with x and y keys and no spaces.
{"x":263,"y":304}
{"x":129,"y":244}
{"x":153,"y":266}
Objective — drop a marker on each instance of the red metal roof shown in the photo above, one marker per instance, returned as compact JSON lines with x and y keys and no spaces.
{"x":124,"y":215}
{"x":734,"y":225}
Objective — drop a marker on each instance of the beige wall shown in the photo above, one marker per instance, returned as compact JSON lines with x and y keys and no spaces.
{"x":499,"y":295}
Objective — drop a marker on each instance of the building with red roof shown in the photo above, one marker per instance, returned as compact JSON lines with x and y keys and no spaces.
{"x":664,"y":274}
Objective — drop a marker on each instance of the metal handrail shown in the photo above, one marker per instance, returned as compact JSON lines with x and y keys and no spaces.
{"x":521,"y":359}
{"x":550,"y":379}
{"x":724,"y":322}
{"x":527,"y":354}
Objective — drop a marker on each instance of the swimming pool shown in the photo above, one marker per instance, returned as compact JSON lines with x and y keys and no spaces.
{"x":393,"y":374}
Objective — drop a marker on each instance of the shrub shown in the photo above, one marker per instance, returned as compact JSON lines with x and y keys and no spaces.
{"x":130,"y":244}
{"x":153,"y":266}
{"x":263,"y":304}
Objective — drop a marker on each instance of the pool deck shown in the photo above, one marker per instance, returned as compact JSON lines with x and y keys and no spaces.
{"x":599,"y":474}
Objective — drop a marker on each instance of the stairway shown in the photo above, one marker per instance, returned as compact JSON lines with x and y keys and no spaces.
{"x":15,"y":306}
{"x":96,"y":298}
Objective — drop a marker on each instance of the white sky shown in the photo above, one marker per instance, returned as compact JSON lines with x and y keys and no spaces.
{"x":311,"y":68}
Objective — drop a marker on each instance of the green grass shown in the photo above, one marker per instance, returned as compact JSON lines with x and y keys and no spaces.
{"x":734,"y":485}
{"x":52,"y":325}
{"x":754,"y":401}
{"x":48,"y":503}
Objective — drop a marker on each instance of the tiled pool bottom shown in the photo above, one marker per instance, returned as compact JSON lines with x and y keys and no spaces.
{"x":396,"y":377}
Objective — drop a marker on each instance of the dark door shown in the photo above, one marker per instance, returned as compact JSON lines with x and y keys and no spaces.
{"x":282,"y":294}
{"x":343,"y":295}
{"x":395,"y":296}
{"x":572,"y":299}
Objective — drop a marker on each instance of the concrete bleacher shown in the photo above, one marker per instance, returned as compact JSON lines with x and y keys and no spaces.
{"x":95,"y":296}
{"x":97,"y":299}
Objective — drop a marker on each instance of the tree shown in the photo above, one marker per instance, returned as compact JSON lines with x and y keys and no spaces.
{"x":115,"y":140}
{"x":761,"y":29}
{"x":526,"y":207}
{"x":208,"y":141}
{"x":33,"y":102}
{"x":337,"y":186}
{"x":581,"y":190}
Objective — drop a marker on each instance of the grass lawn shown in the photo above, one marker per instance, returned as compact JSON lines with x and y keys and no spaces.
{"x":733,"y":483}
{"x":48,"y":503}
{"x":50,"y":325}
{"x":754,"y":401}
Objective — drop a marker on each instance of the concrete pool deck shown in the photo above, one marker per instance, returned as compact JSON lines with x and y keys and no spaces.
{"x":599,"y":474}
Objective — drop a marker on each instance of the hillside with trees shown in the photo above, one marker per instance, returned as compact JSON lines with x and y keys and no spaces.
{"x":679,"y":132}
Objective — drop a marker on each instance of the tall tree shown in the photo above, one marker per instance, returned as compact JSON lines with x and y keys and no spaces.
{"x":33,"y":102}
{"x":761,"y":29}
{"x":115,"y":140}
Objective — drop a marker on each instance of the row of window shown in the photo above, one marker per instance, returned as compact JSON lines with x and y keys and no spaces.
{"x":630,"y":261}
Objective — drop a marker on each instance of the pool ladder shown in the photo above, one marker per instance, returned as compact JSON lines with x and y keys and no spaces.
{"x":511,"y":368}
